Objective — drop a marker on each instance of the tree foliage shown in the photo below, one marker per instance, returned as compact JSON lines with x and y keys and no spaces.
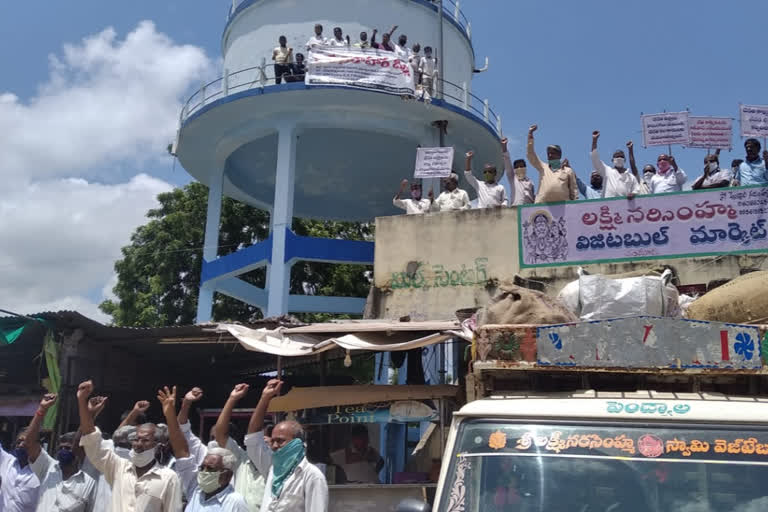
{"x":159,"y":272}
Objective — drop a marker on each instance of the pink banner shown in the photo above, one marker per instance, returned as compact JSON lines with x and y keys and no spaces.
{"x":664,"y":226}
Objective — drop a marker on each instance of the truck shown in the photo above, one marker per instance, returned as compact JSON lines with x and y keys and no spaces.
{"x":635,"y":414}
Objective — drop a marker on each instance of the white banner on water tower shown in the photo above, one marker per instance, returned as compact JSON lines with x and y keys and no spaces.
{"x":363,"y":69}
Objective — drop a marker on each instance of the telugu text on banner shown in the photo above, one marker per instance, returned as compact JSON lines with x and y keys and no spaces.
{"x":661,"y":226}
{"x":433,"y":162}
{"x":754,"y":120}
{"x":710,"y":132}
{"x":363,"y":69}
{"x":665,"y":128}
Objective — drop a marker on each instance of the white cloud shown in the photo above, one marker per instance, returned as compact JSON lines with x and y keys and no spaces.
{"x":106,"y":100}
{"x":67,"y":207}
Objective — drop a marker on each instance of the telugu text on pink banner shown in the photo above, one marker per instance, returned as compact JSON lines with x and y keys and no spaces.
{"x":663,"y":226}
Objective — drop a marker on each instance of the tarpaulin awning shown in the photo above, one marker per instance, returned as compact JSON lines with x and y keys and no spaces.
{"x":375,"y":336}
{"x":11,"y":329}
{"x":328,"y":396}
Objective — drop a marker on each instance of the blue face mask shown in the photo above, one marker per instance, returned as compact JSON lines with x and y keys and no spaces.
{"x":65,"y":457}
{"x":554,"y":163}
{"x":284,"y":461}
{"x":21,"y":455}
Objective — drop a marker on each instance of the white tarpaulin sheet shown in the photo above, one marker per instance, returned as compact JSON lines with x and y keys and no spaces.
{"x":363,"y":69}
{"x":280,"y":343}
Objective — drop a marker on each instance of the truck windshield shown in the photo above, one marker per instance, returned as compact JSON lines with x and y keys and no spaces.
{"x":504,"y":466}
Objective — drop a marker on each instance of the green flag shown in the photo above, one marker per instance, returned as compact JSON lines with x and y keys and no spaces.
{"x":51,"y":351}
{"x":11,"y":329}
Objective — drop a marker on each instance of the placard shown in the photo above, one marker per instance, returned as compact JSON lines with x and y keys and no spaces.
{"x":710,"y":132}
{"x":433,"y":162}
{"x":729,"y":220}
{"x":381,"y":71}
{"x":665,"y":128}
{"x":754,"y":120}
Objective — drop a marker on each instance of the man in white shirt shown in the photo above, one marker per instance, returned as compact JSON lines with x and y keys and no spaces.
{"x":617,"y":182}
{"x":414,"y":59}
{"x":401,"y":48}
{"x":139,"y":484}
{"x":246,"y":480}
{"x":338,"y":38}
{"x":64,"y":487}
{"x":714,"y":176}
{"x":669,"y":177}
{"x":519,"y":184}
{"x":207,"y":484}
{"x":293,"y":484}
{"x":452,"y":198}
{"x":415,"y":204}
{"x":490,"y":194}
{"x":361,"y":462}
{"x":363,"y":43}
{"x":428,"y":71}
{"x":317,"y":39}
{"x":19,"y":486}
{"x":121,"y":444}
{"x":283,"y":57}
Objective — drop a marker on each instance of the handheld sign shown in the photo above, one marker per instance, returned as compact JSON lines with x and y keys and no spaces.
{"x":710,"y":132}
{"x":665,"y":128}
{"x":754,"y":120}
{"x":433,"y":162}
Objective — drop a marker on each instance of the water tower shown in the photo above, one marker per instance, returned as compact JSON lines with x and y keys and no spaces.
{"x":316,"y":151}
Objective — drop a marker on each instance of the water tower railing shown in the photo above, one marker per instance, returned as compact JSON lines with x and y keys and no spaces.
{"x":263,"y":77}
{"x":451,"y":9}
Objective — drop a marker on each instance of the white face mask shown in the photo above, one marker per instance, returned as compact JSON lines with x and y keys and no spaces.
{"x":142,"y":459}
{"x":618,"y":162}
{"x":712,"y":166}
{"x":122,"y":452}
{"x":647,"y":176}
{"x":208,"y":481}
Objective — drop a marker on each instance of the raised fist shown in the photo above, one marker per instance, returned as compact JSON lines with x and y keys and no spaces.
{"x":85,"y":389}
{"x":193,"y":395}
{"x":272,"y":389}
{"x":595,"y":135}
{"x":48,"y":400}
{"x":470,"y":154}
{"x":532,"y":129}
{"x":239,"y":391}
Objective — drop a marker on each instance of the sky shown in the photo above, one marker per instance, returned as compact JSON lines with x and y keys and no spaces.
{"x":90,"y":95}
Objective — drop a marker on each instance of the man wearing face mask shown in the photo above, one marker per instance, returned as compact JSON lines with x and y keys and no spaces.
{"x":452,"y":197}
{"x":669,"y":178}
{"x":121,"y":444}
{"x":556,"y":182}
{"x":401,"y":48}
{"x":489,"y":193}
{"x":519,"y":184}
{"x":617,"y":182}
{"x":415,"y":204}
{"x":595,"y":188}
{"x":139,"y":484}
{"x":64,"y":487}
{"x":293,"y":484}
{"x":713,"y":176}
{"x":19,"y":486}
{"x":752,"y":170}
{"x":649,"y":171}
{"x":207,"y":485}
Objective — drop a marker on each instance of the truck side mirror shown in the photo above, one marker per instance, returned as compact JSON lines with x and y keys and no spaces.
{"x":411,"y":505}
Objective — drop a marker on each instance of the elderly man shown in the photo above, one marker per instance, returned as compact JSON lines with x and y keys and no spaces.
{"x":714,"y":176}
{"x":556,"y":182}
{"x":452,"y":197}
{"x":64,"y":487}
{"x":208,"y":487}
{"x":293,"y":484}
{"x":752,"y":170}
{"x":246,"y":480}
{"x":121,"y":444}
{"x":617,"y":182}
{"x":19,"y":486}
{"x":490,"y":194}
{"x":139,"y":484}
{"x":669,"y":177}
{"x":416,"y":204}
{"x":519,"y":184}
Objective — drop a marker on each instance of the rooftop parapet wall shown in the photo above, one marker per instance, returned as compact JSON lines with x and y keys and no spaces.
{"x":429,"y":266}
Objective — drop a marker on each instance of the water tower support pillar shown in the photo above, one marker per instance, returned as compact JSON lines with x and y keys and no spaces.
{"x":211,"y":244}
{"x":278,"y":270}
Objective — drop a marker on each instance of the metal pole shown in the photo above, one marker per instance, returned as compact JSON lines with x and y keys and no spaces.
{"x":442,"y":363}
{"x":440,"y":54}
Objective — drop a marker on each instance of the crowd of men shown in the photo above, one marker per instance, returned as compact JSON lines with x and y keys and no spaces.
{"x":148,"y":467}
{"x":424,"y":67}
{"x":558,"y":181}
